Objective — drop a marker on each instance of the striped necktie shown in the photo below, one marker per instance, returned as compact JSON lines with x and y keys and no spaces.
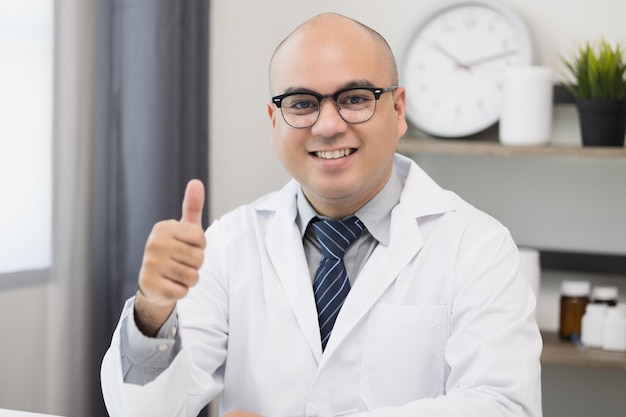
{"x":331,"y":285}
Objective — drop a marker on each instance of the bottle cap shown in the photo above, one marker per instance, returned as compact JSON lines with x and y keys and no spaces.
{"x":575,"y":288}
{"x":604,"y":293}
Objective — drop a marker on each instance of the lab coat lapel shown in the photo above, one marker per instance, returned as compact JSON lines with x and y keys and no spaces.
{"x":286,"y":254}
{"x":380,"y":271}
{"x":421,"y":197}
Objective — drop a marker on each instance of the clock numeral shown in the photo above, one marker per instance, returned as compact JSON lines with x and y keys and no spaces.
{"x":470,"y":19}
{"x":447,"y":28}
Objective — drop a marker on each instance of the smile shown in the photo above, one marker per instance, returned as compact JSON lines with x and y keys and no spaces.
{"x":340,"y":153}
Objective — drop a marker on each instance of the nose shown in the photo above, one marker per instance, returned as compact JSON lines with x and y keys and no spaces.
{"x":329,"y":122}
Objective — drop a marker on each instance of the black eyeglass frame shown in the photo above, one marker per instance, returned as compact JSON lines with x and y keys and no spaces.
{"x":377,"y":91}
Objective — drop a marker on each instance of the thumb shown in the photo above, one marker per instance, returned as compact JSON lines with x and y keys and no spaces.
{"x":193,"y":202}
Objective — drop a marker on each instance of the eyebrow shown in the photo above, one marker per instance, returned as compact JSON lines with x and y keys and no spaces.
{"x":349,"y":84}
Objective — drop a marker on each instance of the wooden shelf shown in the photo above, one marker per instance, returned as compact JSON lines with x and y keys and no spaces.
{"x":424,"y":145}
{"x":558,"y":352}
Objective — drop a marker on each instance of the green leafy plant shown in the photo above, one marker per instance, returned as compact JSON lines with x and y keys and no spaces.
{"x":598,"y":70}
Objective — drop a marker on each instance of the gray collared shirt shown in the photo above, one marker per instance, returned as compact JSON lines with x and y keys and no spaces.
{"x":376,"y":215}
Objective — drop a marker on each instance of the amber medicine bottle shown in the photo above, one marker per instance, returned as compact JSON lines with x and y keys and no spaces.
{"x":574,"y":299}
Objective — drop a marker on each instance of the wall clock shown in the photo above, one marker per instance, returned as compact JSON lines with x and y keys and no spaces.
{"x":454,"y":62}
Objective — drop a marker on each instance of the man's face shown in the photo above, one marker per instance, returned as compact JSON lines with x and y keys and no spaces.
{"x":325,"y":58}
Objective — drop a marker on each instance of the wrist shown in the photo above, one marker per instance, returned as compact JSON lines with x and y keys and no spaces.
{"x":149,"y":316}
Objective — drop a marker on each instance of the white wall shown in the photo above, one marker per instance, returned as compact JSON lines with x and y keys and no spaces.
{"x":244,"y":34}
{"x":243,"y":165}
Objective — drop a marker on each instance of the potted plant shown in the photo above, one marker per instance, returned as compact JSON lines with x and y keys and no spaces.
{"x":600,"y":92}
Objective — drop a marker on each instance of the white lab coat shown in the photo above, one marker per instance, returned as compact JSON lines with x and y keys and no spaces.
{"x":438,"y":323}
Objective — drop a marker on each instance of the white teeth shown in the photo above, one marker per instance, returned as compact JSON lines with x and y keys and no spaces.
{"x":334,"y":154}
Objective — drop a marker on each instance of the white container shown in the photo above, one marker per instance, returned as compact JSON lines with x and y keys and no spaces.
{"x":614,"y":337}
{"x":527,"y":102}
{"x":531,"y":266}
{"x":592,"y":327}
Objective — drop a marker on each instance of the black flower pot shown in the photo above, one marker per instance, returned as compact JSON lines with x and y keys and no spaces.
{"x":602,"y":122}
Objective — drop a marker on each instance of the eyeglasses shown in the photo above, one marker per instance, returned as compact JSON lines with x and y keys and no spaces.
{"x":301,"y":109}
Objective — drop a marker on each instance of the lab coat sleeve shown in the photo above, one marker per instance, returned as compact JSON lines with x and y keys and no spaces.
{"x":181,"y":390}
{"x":143,"y":357}
{"x":494,"y":346}
{"x":125,"y":399}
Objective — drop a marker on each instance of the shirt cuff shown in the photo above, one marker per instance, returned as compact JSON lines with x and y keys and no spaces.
{"x":150,"y":352}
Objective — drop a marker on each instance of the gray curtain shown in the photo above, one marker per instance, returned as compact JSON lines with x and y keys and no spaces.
{"x":150,"y":139}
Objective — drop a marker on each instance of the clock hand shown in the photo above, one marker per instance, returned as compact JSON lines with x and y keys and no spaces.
{"x":454,"y":59}
{"x":488,"y":58}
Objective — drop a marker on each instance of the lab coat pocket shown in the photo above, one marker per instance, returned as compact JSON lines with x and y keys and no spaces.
{"x":403,"y":356}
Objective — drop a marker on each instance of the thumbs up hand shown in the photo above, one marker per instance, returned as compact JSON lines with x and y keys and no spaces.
{"x":193,"y":203}
{"x":173,"y":255}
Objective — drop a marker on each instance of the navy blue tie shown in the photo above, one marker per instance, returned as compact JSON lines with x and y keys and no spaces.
{"x":331,"y":285}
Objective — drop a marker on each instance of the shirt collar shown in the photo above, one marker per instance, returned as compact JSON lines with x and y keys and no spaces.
{"x":376,"y":214}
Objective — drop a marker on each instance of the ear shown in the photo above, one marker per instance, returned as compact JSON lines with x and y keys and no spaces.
{"x":399,"y":106}
{"x":271,"y":112}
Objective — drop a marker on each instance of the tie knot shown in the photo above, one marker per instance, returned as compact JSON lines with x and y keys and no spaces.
{"x":335,"y":236}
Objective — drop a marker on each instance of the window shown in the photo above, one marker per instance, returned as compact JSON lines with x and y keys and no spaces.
{"x":26,"y":80}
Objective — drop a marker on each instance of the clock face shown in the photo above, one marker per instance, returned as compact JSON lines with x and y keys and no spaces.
{"x":454,"y":65}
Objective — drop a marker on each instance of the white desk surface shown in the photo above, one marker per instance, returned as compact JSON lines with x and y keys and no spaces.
{"x":14,"y":413}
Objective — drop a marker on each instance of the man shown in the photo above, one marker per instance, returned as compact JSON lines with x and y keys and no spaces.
{"x":437,"y":320}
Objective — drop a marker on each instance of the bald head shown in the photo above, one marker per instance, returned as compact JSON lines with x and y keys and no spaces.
{"x":333,"y":28}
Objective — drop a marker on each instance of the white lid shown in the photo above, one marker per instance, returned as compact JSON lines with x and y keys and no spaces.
{"x":575,"y":288}
{"x":604,"y":293}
